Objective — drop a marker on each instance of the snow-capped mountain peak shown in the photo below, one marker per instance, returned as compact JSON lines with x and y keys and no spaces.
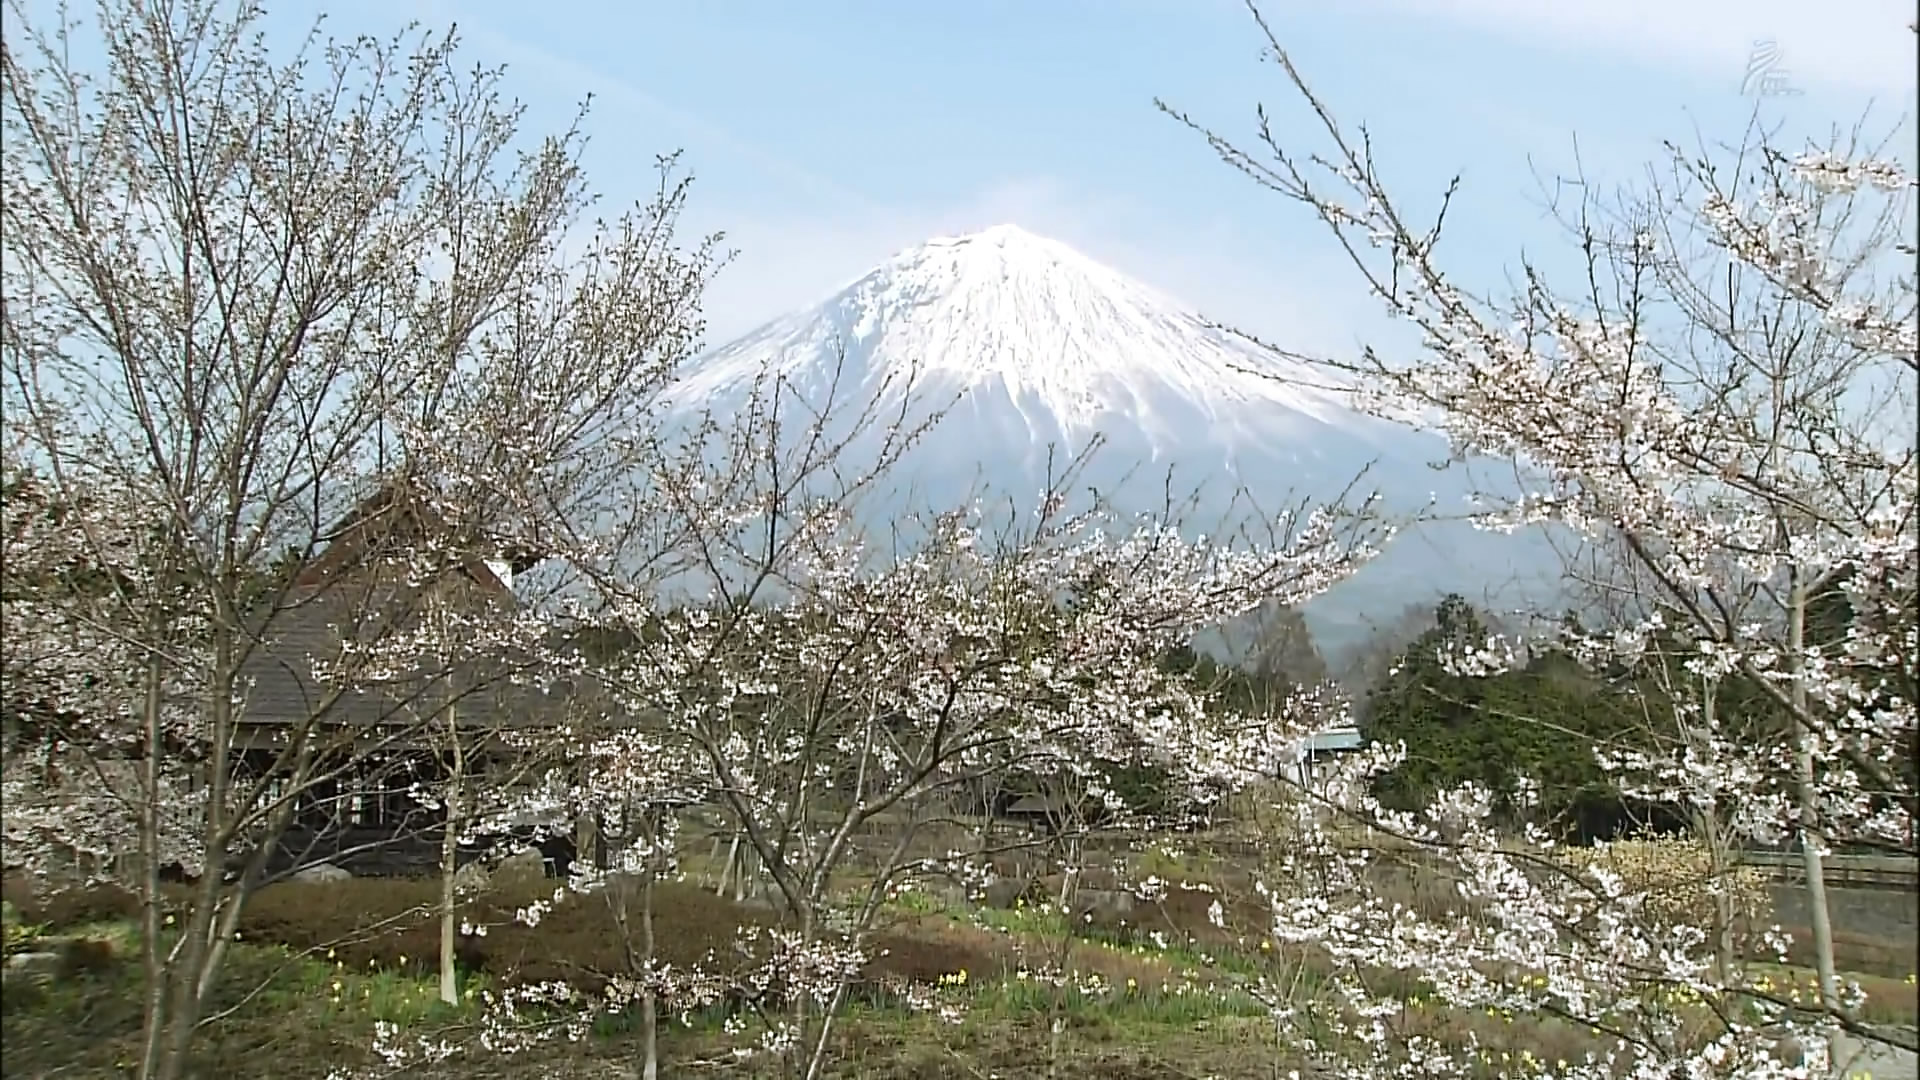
{"x":1031,"y":349}
{"x":1072,"y":344}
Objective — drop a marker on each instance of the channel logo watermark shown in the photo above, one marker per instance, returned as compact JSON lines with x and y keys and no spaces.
{"x":1767,"y":74}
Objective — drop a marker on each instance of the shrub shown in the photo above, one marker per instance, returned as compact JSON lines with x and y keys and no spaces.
{"x":69,"y":906}
{"x":20,"y":934}
{"x":1675,"y":874}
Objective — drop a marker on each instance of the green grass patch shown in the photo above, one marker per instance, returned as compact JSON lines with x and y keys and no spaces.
{"x":274,"y":1012}
{"x":318,"y":966}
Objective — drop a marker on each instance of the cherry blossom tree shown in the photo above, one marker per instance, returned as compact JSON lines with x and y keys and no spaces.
{"x":242,"y":290}
{"x":1721,"y":408}
{"x":877,"y":687}
{"x":766,"y":654}
{"x":497,"y":721}
{"x":72,"y":684}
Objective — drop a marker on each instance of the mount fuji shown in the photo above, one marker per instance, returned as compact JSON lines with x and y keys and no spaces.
{"x":1033,"y":351}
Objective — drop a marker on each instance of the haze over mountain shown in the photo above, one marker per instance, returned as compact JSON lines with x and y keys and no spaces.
{"x":1034,"y":350}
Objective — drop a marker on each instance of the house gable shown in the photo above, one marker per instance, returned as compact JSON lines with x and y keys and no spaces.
{"x":367,"y":585}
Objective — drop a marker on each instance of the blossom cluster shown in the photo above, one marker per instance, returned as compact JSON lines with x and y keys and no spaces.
{"x":1748,"y":520}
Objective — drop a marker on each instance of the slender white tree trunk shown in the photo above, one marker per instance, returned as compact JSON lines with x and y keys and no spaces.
{"x":154,"y":1014}
{"x":748,"y":867}
{"x":726,"y":868}
{"x":1811,"y":840}
{"x":1721,"y":869}
{"x":1071,"y":877}
{"x":449,"y":857}
{"x":649,"y":998}
{"x":586,"y":837}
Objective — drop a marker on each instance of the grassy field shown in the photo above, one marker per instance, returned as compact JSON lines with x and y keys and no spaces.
{"x":318,"y":966}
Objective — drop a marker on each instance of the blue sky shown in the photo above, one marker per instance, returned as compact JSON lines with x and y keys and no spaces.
{"x":827,"y":134}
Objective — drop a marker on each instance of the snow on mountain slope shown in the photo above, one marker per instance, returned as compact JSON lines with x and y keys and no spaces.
{"x":1073,"y":346}
{"x":1033,"y":349}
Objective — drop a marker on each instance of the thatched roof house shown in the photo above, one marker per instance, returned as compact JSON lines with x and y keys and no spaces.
{"x":389,"y":573}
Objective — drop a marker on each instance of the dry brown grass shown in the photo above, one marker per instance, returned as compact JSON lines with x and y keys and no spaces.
{"x":389,"y":924}
{"x":68,"y":907}
{"x":1857,"y":953}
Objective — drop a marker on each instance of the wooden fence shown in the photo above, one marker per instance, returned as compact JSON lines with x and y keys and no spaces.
{"x":1900,"y":873}
{"x":1893,"y":872}
{"x":1896,"y":872}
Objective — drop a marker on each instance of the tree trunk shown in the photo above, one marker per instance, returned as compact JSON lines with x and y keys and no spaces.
{"x":194,"y":961}
{"x":1721,"y":880}
{"x":986,"y":822}
{"x":649,"y":998}
{"x":586,"y":839}
{"x":1071,"y":876}
{"x":183,"y":966}
{"x":749,"y":867}
{"x":449,"y":857}
{"x":1809,"y":799}
{"x":726,"y":868}
{"x":1721,"y":870}
{"x":154,"y":1012}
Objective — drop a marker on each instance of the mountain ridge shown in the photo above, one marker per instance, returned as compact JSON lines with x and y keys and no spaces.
{"x":1033,"y":314}
{"x":1028,"y":350}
